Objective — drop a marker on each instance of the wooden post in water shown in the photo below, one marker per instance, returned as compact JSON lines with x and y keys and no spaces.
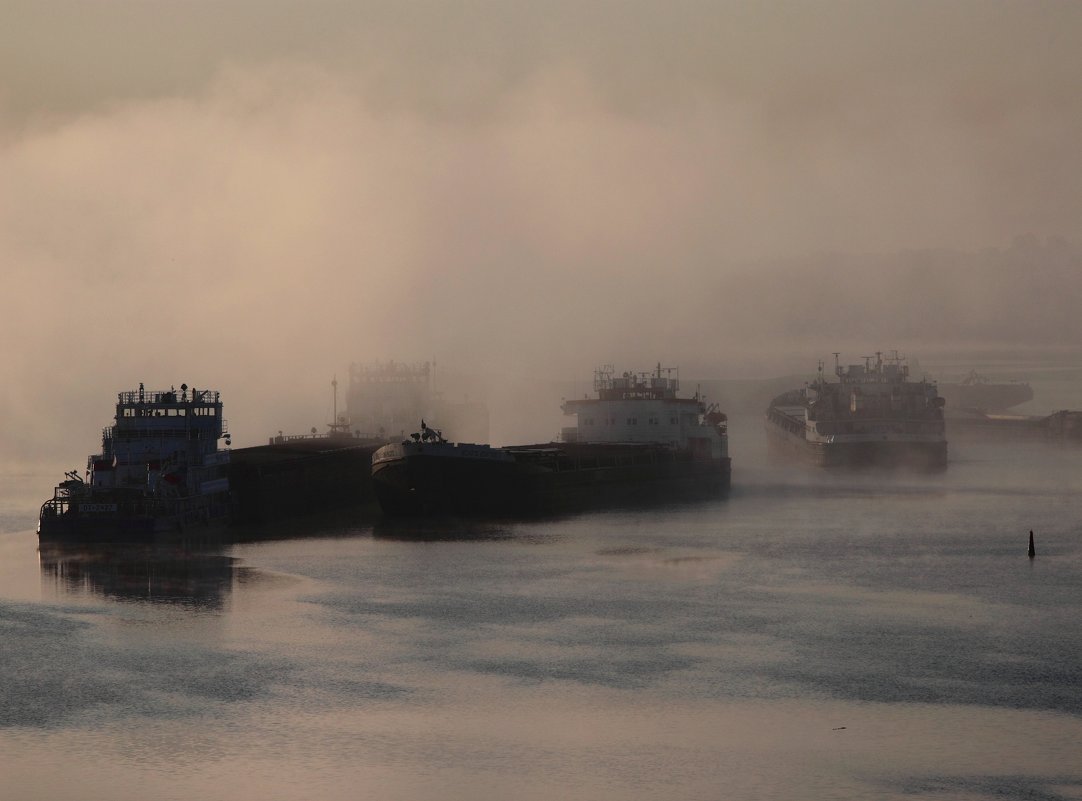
{"x":1032,"y":551}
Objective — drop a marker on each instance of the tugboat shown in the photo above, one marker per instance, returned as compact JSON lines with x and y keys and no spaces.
{"x":872,"y":415}
{"x":637,"y":440}
{"x":159,"y":471}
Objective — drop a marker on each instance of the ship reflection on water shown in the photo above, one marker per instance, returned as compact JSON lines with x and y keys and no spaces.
{"x":201,"y":573}
{"x":154,"y":574}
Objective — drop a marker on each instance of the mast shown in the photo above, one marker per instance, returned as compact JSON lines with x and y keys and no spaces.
{"x":337,"y":426}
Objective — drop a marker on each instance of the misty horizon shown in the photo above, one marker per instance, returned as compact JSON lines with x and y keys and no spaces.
{"x":251,"y":196}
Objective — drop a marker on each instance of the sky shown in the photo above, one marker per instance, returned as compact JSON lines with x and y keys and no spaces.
{"x":251,"y":195}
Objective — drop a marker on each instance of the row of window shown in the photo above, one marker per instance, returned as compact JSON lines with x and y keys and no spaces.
{"x":198,"y":411}
{"x":631,"y":421}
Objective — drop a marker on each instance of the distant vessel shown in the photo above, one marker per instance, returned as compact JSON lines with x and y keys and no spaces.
{"x":159,"y":470}
{"x":637,"y":440}
{"x":1063,"y":426}
{"x":387,"y":399}
{"x":975,"y":392}
{"x":873,"y":414}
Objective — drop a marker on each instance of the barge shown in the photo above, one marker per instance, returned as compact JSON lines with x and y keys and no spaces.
{"x":976,"y":392}
{"x":1062,"y":426}
{"x":298,"y":475}
{"x":636,"y":441}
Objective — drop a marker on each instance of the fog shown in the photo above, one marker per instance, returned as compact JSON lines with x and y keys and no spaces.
{"x":251,"y":196}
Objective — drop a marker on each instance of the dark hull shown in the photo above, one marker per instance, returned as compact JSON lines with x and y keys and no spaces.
{"x":268,"y":483}
{"x":134,"y":521}
{"x":97,"y":528}
{"x":422,"y":484}
{"x":579,"y":477}
{"x":916,"y":455}
{"x":299,"y":478}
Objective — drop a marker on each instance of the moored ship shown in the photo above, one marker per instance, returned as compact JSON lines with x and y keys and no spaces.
{"x":388,"y":398}
{"x":977,"y":392}
{"x":159,"y":471}
{"x":872,"y":415}
{"x":637,"y":440}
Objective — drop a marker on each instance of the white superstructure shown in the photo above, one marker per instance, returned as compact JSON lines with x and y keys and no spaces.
{"x":159,"y":470}
{"x":873,"y":401}
{"x":873,"y":414}
{"x":644,"y":407}
{"x":160,"y":440}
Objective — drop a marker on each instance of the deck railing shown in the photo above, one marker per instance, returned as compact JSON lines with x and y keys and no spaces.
{"x":170,"y":396}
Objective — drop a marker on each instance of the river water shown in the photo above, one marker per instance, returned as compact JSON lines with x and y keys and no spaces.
{"x":813,"y":636}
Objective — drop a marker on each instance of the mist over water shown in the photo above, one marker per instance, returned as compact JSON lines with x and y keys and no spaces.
{"x":814,"y":635}
{"x":250,"y":196}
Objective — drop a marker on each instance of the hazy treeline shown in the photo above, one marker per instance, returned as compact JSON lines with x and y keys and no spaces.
{"x":1026,"y":294}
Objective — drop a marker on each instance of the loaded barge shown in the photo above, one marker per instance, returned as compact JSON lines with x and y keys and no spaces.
{"x":872,"y":415}
{"x":636,"y":441}
{"x":301,"y":475}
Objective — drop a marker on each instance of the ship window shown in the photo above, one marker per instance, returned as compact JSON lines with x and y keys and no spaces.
{"x":632,"y":421}
{"x":672,"y":420}
{"x":653,"y":421}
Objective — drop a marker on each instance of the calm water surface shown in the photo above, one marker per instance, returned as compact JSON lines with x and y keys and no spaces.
{"x":814,"y":636}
